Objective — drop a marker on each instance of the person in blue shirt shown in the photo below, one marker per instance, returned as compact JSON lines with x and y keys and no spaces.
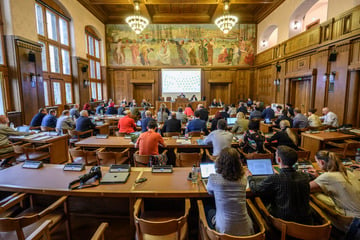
{"x":111,"y":110}
{"x":50,"y":120}
{"x":256,"y":114}
{"x":84,"y":123}
{"x":100,"y":109}
{"x":146,"y":120}
{"x":268,"y":113}
{"x":37,"y":119}
{"x":197,"y":124}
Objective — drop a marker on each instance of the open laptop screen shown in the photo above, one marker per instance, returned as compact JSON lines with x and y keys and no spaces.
{"x":206,"y":169}
{"x":231,"y":121}
{"x":259,"y":167}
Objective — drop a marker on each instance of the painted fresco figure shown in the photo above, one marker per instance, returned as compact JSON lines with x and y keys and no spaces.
{"x":144,"y":53}
{"x":164,"y":52}
{"x":192,"y":53}
{"x":236,"y":54}
{"x":182,"y":52}
{"x":134,"y":51}
{"x":210,"y":51}
{"x":223,"y":55}
{"x":120,"y":53}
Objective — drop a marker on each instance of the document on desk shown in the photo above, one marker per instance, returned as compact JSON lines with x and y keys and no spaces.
{"x":42,"y":138}
{"x":183,"y":141}
{"x":357,"y":131}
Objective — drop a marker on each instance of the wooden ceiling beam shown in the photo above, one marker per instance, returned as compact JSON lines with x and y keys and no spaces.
{"x":97,"y":11}
{"x":199,"y":2}
{"x":112,"y":2}
{"x":181,"y":18}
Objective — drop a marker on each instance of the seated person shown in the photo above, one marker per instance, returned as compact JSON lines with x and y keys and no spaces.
{"x":278,"y":109}
{"x":148,"y":142}
{"x":74,"y":112}
{"x":285,"y":136}
{"x":182,"y":95}
{"x":111,"y":110}
{"x":249,"y":102}
{"x":253,"y":140}
{"x":189,"y":111}
{"x":127,"y":124}
{"x":290,"y":109}
{"x":204,"y":114}
{"x":329,"y":118}
{"x":65,"y":122}
{"x":5,"y":132}
{"x":314,"y":120}
{"x":133,"y":103}
{"x":341,"y":185}
{"x":256,"y":114}
{"x":215,"y":120}
{"x":100,"y":109}
{"x":37,"y":119}
{"x":162,"y":115}
{"x":123,"y":102}
{"x":219,"y":138}
{"x":146,"y":120}
{"x":172,"y":125}
{"x":299,"y":121}
{"x":121,"y":109}
{"x":214,"y":103}
{"x":145,"y":103}
{"x":180,"y":115}
{"x":50,"y":120}
{"x":197,"y":125}
{"x":242,"y":108}
{"x":268,"y":113}
{"x":232,"y":110}
{"x":193,"y":98}
{"x":241,"y":124}
{"x":84,"y":123}
{"x":228,"y":186}
{"x":283,"y":116}
{"x":87,"y":107}
{"x":287,"y":192}
{"x":143,"y":113}
{"x":224,"y":113}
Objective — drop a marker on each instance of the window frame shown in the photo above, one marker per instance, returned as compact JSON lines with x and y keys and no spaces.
{"x":89,"y":33}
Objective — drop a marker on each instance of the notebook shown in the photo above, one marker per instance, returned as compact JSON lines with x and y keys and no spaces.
{"x":118,"y":177}
{"x":231,"y":121}
{"x":205,"y":170}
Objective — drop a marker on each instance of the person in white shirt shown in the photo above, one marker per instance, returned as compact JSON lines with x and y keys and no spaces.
{"x":219,"y":138}
{"x":329,"y":118}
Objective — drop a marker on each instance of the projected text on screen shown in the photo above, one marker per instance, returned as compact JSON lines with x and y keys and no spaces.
{"x":181,"y":80}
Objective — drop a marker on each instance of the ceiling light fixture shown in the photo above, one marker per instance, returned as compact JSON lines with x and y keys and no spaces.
{"x":226,"y":22}
{"x":137,"y":22}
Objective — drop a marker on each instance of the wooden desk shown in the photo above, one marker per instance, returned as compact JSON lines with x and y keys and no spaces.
{"x":265,"y":128}
{"x":103,"y":129}
{"x":316,"y":141}
{"x":59,"y":149}
{"x":214,"y":110}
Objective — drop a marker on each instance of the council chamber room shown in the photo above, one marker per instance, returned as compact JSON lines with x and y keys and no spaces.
{"x":170,"y":119}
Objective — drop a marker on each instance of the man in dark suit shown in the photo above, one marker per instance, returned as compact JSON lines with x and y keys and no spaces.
{"x":204,"y":114}
{"x":100,"y":109}
{"x":146,"y":120}
{"x":242,"y":108}
{"x":197,"y":125}
{"x":268,"y":113}
{"x":172,"y":125}
{"x":122,"y":109}
{"x":50,"y":120}
{"x":83,"y":123}
{"x":37,"y":119}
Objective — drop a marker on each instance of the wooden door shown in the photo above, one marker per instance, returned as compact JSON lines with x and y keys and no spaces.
{"x":220,"y":91}
{"x":141,"y":91}
{"x":300,"y":94}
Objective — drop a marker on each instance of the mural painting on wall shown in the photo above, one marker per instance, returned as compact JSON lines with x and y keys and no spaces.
{"x":181,"y":45}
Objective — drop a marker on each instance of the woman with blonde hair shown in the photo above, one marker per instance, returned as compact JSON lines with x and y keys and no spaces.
{"x":241,"y":124}
{"x":342,"y":187}
{"x":285,"y":136}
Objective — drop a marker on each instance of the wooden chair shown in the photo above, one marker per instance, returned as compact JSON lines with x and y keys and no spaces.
{"x":78,"y":155}
{"x":26,"y":222}
{"x":188,"y":159}
{"x":76,"y":136}
{"x":100,"y":232}
{"x":171,"y":134}
{"x":47,"y":129}
{"x":143,"y":160}
{"x":160,"y":225}
{"x":107,"y":158}
{"x":209,"y":156}
{"x":255,"y":155}
{"x":206,"y":233}
{"x":339,"y":221}
{"x":120,"y":134}
{"x":303,"y":154}
{"x":194,"y":134}
{"x":29,"y":151}
{"x":348,"y":150}
{"x":113,"y":126}
{"x":297,"y":230}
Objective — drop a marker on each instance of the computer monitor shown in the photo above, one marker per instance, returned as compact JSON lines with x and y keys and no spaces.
{"x":260,"y":167}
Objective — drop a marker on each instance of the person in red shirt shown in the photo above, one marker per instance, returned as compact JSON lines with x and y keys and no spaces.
{"x":126,"y":124}
{"x":148,"y":142}
{"x":189,"y":111}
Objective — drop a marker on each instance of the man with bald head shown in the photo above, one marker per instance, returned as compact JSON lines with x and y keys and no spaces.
{"x":329,"y":117}
{"x":5,"y":132}
{"x":74,"y":112}
{"x":172,"y":125}
{"x":84,"y":123}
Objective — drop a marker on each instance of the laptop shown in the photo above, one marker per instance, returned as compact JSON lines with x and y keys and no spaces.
{"x":118,"y":177}
{"x":231,"y":121}
{"x":138,"y":123}
{"x":260,"y":168}
{"x":205,"y":170}
{"x":267,"y":121}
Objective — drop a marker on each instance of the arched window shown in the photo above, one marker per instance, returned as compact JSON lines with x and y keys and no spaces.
{"x":268,"y":38}
{"x":53,"y":25}
{"x":93,"y":54}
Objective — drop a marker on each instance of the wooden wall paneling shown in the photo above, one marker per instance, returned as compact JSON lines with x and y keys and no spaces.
{"x":240,"y":86}
{"x":81,"y":82}
{"x":355,"y":55}
{"x":265,"y":85}
{"x":207,"y":86}
{"x":105,"y":83}
{"x":156,"y":86}
{"x":353,"y":98}
{"x":319,"y":62}
{"x":122,"y":85}
{"x":280,"y":97}
{"x":336,"y":100}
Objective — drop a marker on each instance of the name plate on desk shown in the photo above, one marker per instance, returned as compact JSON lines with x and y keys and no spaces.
{"x":32,"y":164}
{"x":77,"y":167}
{"x":162,"y":169}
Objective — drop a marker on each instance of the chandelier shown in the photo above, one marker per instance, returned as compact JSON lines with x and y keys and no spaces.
{"x":226,"y":22}
{"x":137,"y":22}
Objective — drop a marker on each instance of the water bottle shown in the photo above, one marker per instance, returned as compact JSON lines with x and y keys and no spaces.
{"x":12,"y":125}
{"x":357,"y":156}
{"x":194,"y":174}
